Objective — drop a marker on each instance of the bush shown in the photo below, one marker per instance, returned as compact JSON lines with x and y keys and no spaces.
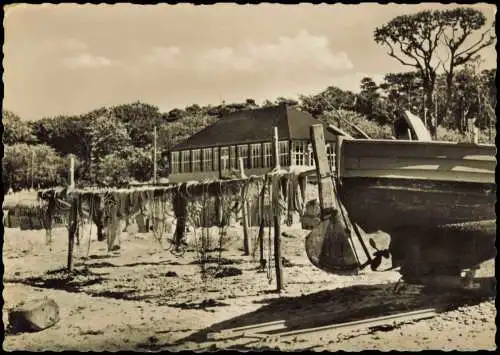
{"x":48,"y":168}
{"x":371,"y":128}
{"x":451,"y":135}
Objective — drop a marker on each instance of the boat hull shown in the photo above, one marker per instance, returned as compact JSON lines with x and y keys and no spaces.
{"x":435,"y":199}
{"x":388,"y":204}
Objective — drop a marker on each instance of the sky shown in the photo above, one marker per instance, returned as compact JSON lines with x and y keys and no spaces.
{"x":70,"y":59}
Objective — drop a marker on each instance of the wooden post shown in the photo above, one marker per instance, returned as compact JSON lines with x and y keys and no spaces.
{"x":72,"y":171}
{"x":277,"y":254}
{"x":73,"y":224}
{"x":338,"y":161}
{"x":32,"y":166}
{"x":154,"y":158}
{"x":275,"y":191}
{"x":242,"y":169}
{"x":220,"y":161}
{"x":475,"y":134}
{"x":262,"y":226}
{"x":276,"y":151}
{"x":244,"y":212}
{"x":325,"y":185}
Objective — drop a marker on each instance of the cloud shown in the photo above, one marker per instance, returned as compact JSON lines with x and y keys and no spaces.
{"x":163,"y":55}
{"x":287,"y":54}
{"x":87,"y":60}
{"x":75,"y":44}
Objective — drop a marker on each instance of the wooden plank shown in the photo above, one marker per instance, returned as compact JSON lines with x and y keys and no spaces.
{"x":418,"y":149}
{"x":325,"y":186}
{"x":337,"y":131}
{"x":429,"y":163}
{"x":276,"y":151}
{"x":360,"y":324}
{"x":339,"y":159}
{"x":450,"y":176}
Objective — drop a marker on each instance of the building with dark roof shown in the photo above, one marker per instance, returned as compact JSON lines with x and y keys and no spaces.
{"x":214,"y":152}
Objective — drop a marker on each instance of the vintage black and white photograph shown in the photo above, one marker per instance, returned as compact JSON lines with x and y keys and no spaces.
{"x":249,"y":177}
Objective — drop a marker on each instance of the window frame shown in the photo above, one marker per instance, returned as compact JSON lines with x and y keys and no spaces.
{"x":186,"y":161}
{"x":175,"y":162}
{"x":268,"y":154}
{"x":196,"y":160}
{"x":283,"y":152}
{"x":243,"y":148}
{"x":256,"y":155}
{"x":207,"y":159}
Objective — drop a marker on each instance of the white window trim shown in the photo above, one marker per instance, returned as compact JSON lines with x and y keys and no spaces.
{"x":283,"y":152}
{"x":207,"y":159}
{"x":256,"y":151}
{"x":196,"y":160}
{"x":268,"y":155}
{"x":175,"y":163}
{"x":243,"y":153}
{"x":233,"y":164}
{"x":186,"y":164}
{"x":215,"y":158}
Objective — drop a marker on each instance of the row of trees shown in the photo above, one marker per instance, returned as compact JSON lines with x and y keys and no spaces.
{"x":432,"y":40}
{"x":114,"y":145}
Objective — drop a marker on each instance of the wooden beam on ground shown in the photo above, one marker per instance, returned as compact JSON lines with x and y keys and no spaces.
{"x":356,"y":325}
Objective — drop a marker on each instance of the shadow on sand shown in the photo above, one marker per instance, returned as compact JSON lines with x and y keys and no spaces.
{"x":341,"y":305}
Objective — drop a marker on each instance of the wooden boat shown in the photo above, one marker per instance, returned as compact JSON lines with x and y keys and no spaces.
{"x":435,"y":199}
{"x":388,"y":184}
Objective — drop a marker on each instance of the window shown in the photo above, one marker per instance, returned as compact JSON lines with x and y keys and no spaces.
{"x":256,"y":155}
{"x":224,"y":158}
{"x":185,"y":161}
{"x":243,"y":153}
{"x":299,"y":149}
{"x":268,"y":155}
{"x":310,"y":155}
{"x":232,"y":161}
{"x":207,"y":159}
{"x":330,"y":152}
{"x":283,"y":153}
{"x":174,"y":164}
{"x":196,"y":160}
{"x":216,"y":159}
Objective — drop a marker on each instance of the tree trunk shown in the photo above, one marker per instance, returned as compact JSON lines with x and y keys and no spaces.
{"x":449,"y":93}
{"x":429,"y":107}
